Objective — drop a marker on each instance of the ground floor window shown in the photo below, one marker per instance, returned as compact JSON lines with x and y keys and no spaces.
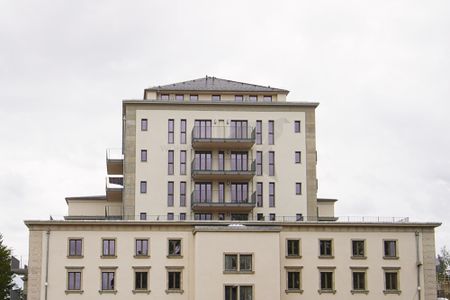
{"x":235,"y":292}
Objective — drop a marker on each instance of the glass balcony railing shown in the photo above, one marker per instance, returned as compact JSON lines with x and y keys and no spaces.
{"x":230,"y":137}
{"x":218,"y":200}
{"x":241,"y":169}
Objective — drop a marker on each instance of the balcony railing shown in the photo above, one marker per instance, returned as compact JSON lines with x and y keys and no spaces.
{"x":226,"y":169}
{"x":114,"y":161}
{"x":215,"y":200}
{"x":225,"y":137}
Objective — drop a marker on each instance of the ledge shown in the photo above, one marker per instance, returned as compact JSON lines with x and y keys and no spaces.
{"x":174,"y":256}
{"x":293,"y":291}
{"x":391,"y":257}
{"x":293,"y":256}
{"x":359,"y":292}
{"x":141,"y":256}
{"x":326,"y":256}
{"x":238,"y":272}
{"x":75,"y":256}
{"x":74,"y":292}
{"x":107,"y":292}
{"x":108,"y":256}
{"x":141,"y":291}
{"x":396,"y":292}
{"x":358,"y":257}
{"x":180,"y":291}
{"x":326,"y":291}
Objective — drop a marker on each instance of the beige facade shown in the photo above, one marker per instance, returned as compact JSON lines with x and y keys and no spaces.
{"x":214,"y":196}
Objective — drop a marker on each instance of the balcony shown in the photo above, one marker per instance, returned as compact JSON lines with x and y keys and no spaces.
{"x":114,"y":187}
{"x":205,"y":202}
{"x":114,"y":161}
{"x":223,"y":137}
{"x":227,"y":170}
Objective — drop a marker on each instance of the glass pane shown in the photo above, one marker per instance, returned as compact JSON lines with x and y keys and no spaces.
{"x":231,"y":262}
{"x":245,"y":263}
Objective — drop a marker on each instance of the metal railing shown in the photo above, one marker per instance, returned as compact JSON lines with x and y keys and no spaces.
{"x":208,"y":133}
{"x":225,"y":166}
{"x":213,"y":197}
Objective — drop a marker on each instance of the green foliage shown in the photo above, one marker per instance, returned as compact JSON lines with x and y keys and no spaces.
{"x":443,"y":263}
{"x":6,"y":276}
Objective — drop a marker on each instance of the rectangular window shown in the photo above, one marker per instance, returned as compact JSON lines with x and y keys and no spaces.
{"x":144,"y":124}
{"x":234,"y":292}
{"x":298,"y":188}
{"x":259,"y":194}
{"x":221,"y":161}
{"x":252,"y":98}
{"x":293,"y":248}
{"x":202,"y":129}
{"x":271,"y":163}
{"x":170,"y":192}
{"x":109,"y":247}
{"x":143,"y":155}
{"x":174,"y":247}
{"x":390,"y":249}
{"x":170,"y":162}
{"x":174,"y":280}
{"x":267,"y":99}
{"x":239,"y":217}
{"x":203,"y":161}
{"x":298,"y":157}
{"x":179,"y":97}
{"x":108,"y":281}
{"x":182,"y":193}
{"x":297,"y":126}
{"x":203,"y":192}
{"x":326,"y":247}
{"x":259,"y":132}
{"x":259,"y":163}
{"x":299,"y":217}
{"x":326,"y":280}
{"x":271,"y":133}
{"x":182,"y":216}
{"x":221,"y":192}
{"x":171,"y":128}
{"x":238,"y":263}
{"x":239,"y":98}
{"x":143,"y":216}
{"x":170,"y":216}
{"x":141,"y":247}
{"x":183,"y":162}
{"x":141,"y":280}
{"x":272,"y":217}
{"x":165,"y":97}
{"x":193,"y":98}
{"x":260,"y":217}
{"x":203,"y":216}
{"x":215,"y":98}
{"x":358,"y":248}
{"x":221,"y":216}
{"x":358,"y":280}
{"x":239,"y":161}
{"x":143,"y":187}
{"x":271,"y":194}
{"x":239,"y":192}
{"x":74,"y":281}
{"x":183,"y":131}
{"x":293,"y":280}
{"x":239,"y":129}
{"x":391,"y":282}
{"x":75,"y":247}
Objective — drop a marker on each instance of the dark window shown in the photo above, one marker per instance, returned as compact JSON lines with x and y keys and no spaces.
{"x":259,"y":163}
{"x":170,"y":192}
{"x":203,"y":161}
{"x":107,"y":281}
{"x":203,"y":216}
{"x":272,"y":217}
{"x":239,"y":129}
{"x":239,"y":217}
{"x":245,"y":262}
{"x":221,"y":216}
{"x":326,"y":280}
{"x":143,"y":216}
{"x":182,"y":193}
{"x":170,"y":216}
{"x":239,"y":161}
{"x":170,"y":162}
{"x":293,"y":248}
{"x":271,"y":163}
{"x":74,"y":281}
{"x":143,"y":187}
{"x":231,"y":262}
{"x":252,"y":98}
{"x":183,"y":162}
{"x":238,"y":262}
{"x":182,"y":216}
{"x":391,"y":281}
{"x":221,"y":161}
{"x":231,"y":292}
{"x":359,"y":280}
{"x":171,"y":128}
{"x":271,"y":194}
{"x":141,"y":247}
{"x":326,"y":247}
{"x":299,"y":217}
{"x":271,"y":133}
{"x":202,"y":129}
{"x":390,"y":248}
{"x":260,"y":217}
{"x":358,"y":248}
{"x":203,"y":192}
{"x":258,"y":132}
{"x":297,"y":126}
{"x":174,"y":247}
{"x":193,"y":98}
{"x":298,"y":157}
{"x":109,"y":247}
{"x":239,"y":98}
{"x":143,"y":155}
{"x":298,"y":188}
{"x":144,"y":124}
{"x":267,"y":99}
{"x":221,"y":192}
{"x":179,"y":97}
{"x":75,"y":247}
{"x":174,"y":281}
{"x":215,"y":98}
{"x":239,"y":192}
{"x":141,"y":282}
{"x":293,"y":280}
{"x":164,"y":96}
{"x":183,"y":131}
{"x":259,"y":194}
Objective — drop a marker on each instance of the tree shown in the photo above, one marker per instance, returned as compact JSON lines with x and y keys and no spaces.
{"x":6,"y":276}
{"x":443,"y":262}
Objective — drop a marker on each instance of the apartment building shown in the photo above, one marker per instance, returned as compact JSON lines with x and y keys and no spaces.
{"x":213,"y":195}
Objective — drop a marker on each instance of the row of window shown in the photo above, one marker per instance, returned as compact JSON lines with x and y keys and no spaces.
{"x":214,"y":98}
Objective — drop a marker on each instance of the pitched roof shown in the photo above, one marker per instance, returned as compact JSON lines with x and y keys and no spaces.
{"x":214,"y":84}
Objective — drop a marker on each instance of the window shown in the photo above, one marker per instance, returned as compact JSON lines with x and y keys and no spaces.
{"x":358,"y":248}
{"x":238,"y":263}
{"x":358,"y":279}
{"x":267,"y":99}
{"x":271,"y":163}
{"x":164,"y":96}
{"x":239,"y":192}
{"x":203,"y":216}
{"x":109,"y":247}
{"x":390,"y":249}
{"x":391,"y":280}
{"x":271,"y":133}
{"x":272,"y":217}
{"x":326,"y":281}
{"x":259,"y":162}
{"x":182,"y":193}
{"x":259,"y":194}
{"x":299,"y":217}
{"x":179,"y":97}
{"x":141,"y":247}
{"x":203,"y":192}
{"x":202,"y":129}
{"x":174,"y":280}
{"x":260,"y":217}
{"x":297,"y":126}
{"x":193,"y":98}
{"x":293,"y":280}
{"x":108,"y":283}
{"x":298,"y":157}
{"x":74,"y":279}
{"x":174,"y":247}
{"x":221,"y":192}
{"x":182,"y":216}
{"x":141,"y":280}
{"x":293,"y":248}
{"x":326,"y":248}
{"x":183,"y":131}
{"x":221,"y":161}
{"x":215,"y":98}
{"x":252,"y":98}
{"x":239,"y":129}
{"x":239,"y":161}
{"x":259,"y":132}
{"x":271,"y":194}
{"x":298,"y":188}
{"x":171,"y":127}
{"x":170,"y":216}
{"x":183,"y":162}
{"x":239,"y":98}
{"x":221,"y":216}
{"x":203,"y":161}
{"x":143,"y":155}
{"x":143,"y":216}
{"x":75,"y":247}
{"x":144,"y":124}
{"x":143,"y":187}
{"x":170,"y":192}
{"x":239,"y":217}
{"x":235,"y":292}
{"x":170,"y":162}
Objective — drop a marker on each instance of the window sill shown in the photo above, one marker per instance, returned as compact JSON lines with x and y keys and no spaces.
{"x":359,"y":292}
{"x":358,"y":257}
{"x":141,"y":291}
{"x":390,"y":257}
{"x":107,"y":292}
{"x":75,"y":256}
{"x":74,"y":292}
{"x":178,"y":291}
{"x":294,"y":291}
{"x":174,"y":256}
{"x":326,"y":256}
{"x":141,"y":256}
{"x":326,"y":291}
{"x":293,"y":256}
{"x":396,"y":292}
{"x":238,"y":272}
{"x":108,"y":256}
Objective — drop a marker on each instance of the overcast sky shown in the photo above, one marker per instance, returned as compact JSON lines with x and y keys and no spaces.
{"x":380,"y":70}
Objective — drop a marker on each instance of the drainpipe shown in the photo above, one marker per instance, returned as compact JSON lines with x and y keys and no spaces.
{"x":46,"y":263}
{"x":419,"y":264}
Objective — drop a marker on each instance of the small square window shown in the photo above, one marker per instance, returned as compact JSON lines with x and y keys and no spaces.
{"x":193,"y":98}
{"x":298,"y":157}
{"x":390,"y":249}
{"x":358,"y":248}
{"x":143,"y":216}
{"x":144,"y":124}
{"x":298,"y":188}
{"x":143,"y":187}
{"x":170,"y":216}
{"x":175,"y":247}
{"x":165,"y":97}
{"x":272,"y":217}
{"x":299,"y":217}
{"x":260,"y":217}
{"x":326,"y":248}
{"x":293,"y":248}
{"x":231,"y":262}
{"x":252,"y":98}
{"x":182,"y":216}
{"x":143,"y":155}
{"x":297,"y":126}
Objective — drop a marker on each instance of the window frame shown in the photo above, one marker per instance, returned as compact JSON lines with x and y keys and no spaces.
{"x":389,"y":270}
{"x":143,"y":187}
{"x":272,"y":194}
{"x":299,"y":254}
{"x":74,"y":290}
{"x":325,"y":255}
{"x":271,"y":132}
{"x":174,"y":269}
{"x":332,"y":289}
{"x":271,"y":163}
{"x":183,"y":159}
{"x":141,"y":269}
{"x":238,"y":269}
{"x":183,"y":131}
{"x":170,"y":162}
{"x":389,"y":256}
{"x":354,"y":270}
{"x":144,"y":155}
{"x":179,"y":97}
{"x":170,"y":193}
{"x":144,"y":124}
{"x":173,"y":255}
{"x":298,"y":188}
{"x":259,"y":164}
{"x":170,"y":131}
{"x":114,"y":287}
{"x":259,"y":132}
{"x":193,"y":98}
{"x":297,"y":126}
{"x":108,"y":255}
{"x":293,"y":269}
{"x":259,"y":194}
{"x":76,"y":255}
{"x":299,"y":160}
{"x":216,"y":98}
{"x":352,"y":247}
{"x":183,"y":193}
{"x":143,"y":255}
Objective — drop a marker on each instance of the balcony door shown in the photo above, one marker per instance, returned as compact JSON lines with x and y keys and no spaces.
{"x":203,"y":192}
{"x":239,"y":192}
{"x":239,"y":129}
{"x":203,"y":161}
{"x":239,"y":161}
{"x":202,"y":129}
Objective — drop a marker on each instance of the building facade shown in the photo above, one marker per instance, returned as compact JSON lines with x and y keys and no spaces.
{"x":213,"y":195}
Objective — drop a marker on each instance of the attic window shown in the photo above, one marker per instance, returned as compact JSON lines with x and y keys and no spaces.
{"x":215,"y":98}
{"x":267,"y":98}
{"x":164,"y":96}
{"x":238,"y":98}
